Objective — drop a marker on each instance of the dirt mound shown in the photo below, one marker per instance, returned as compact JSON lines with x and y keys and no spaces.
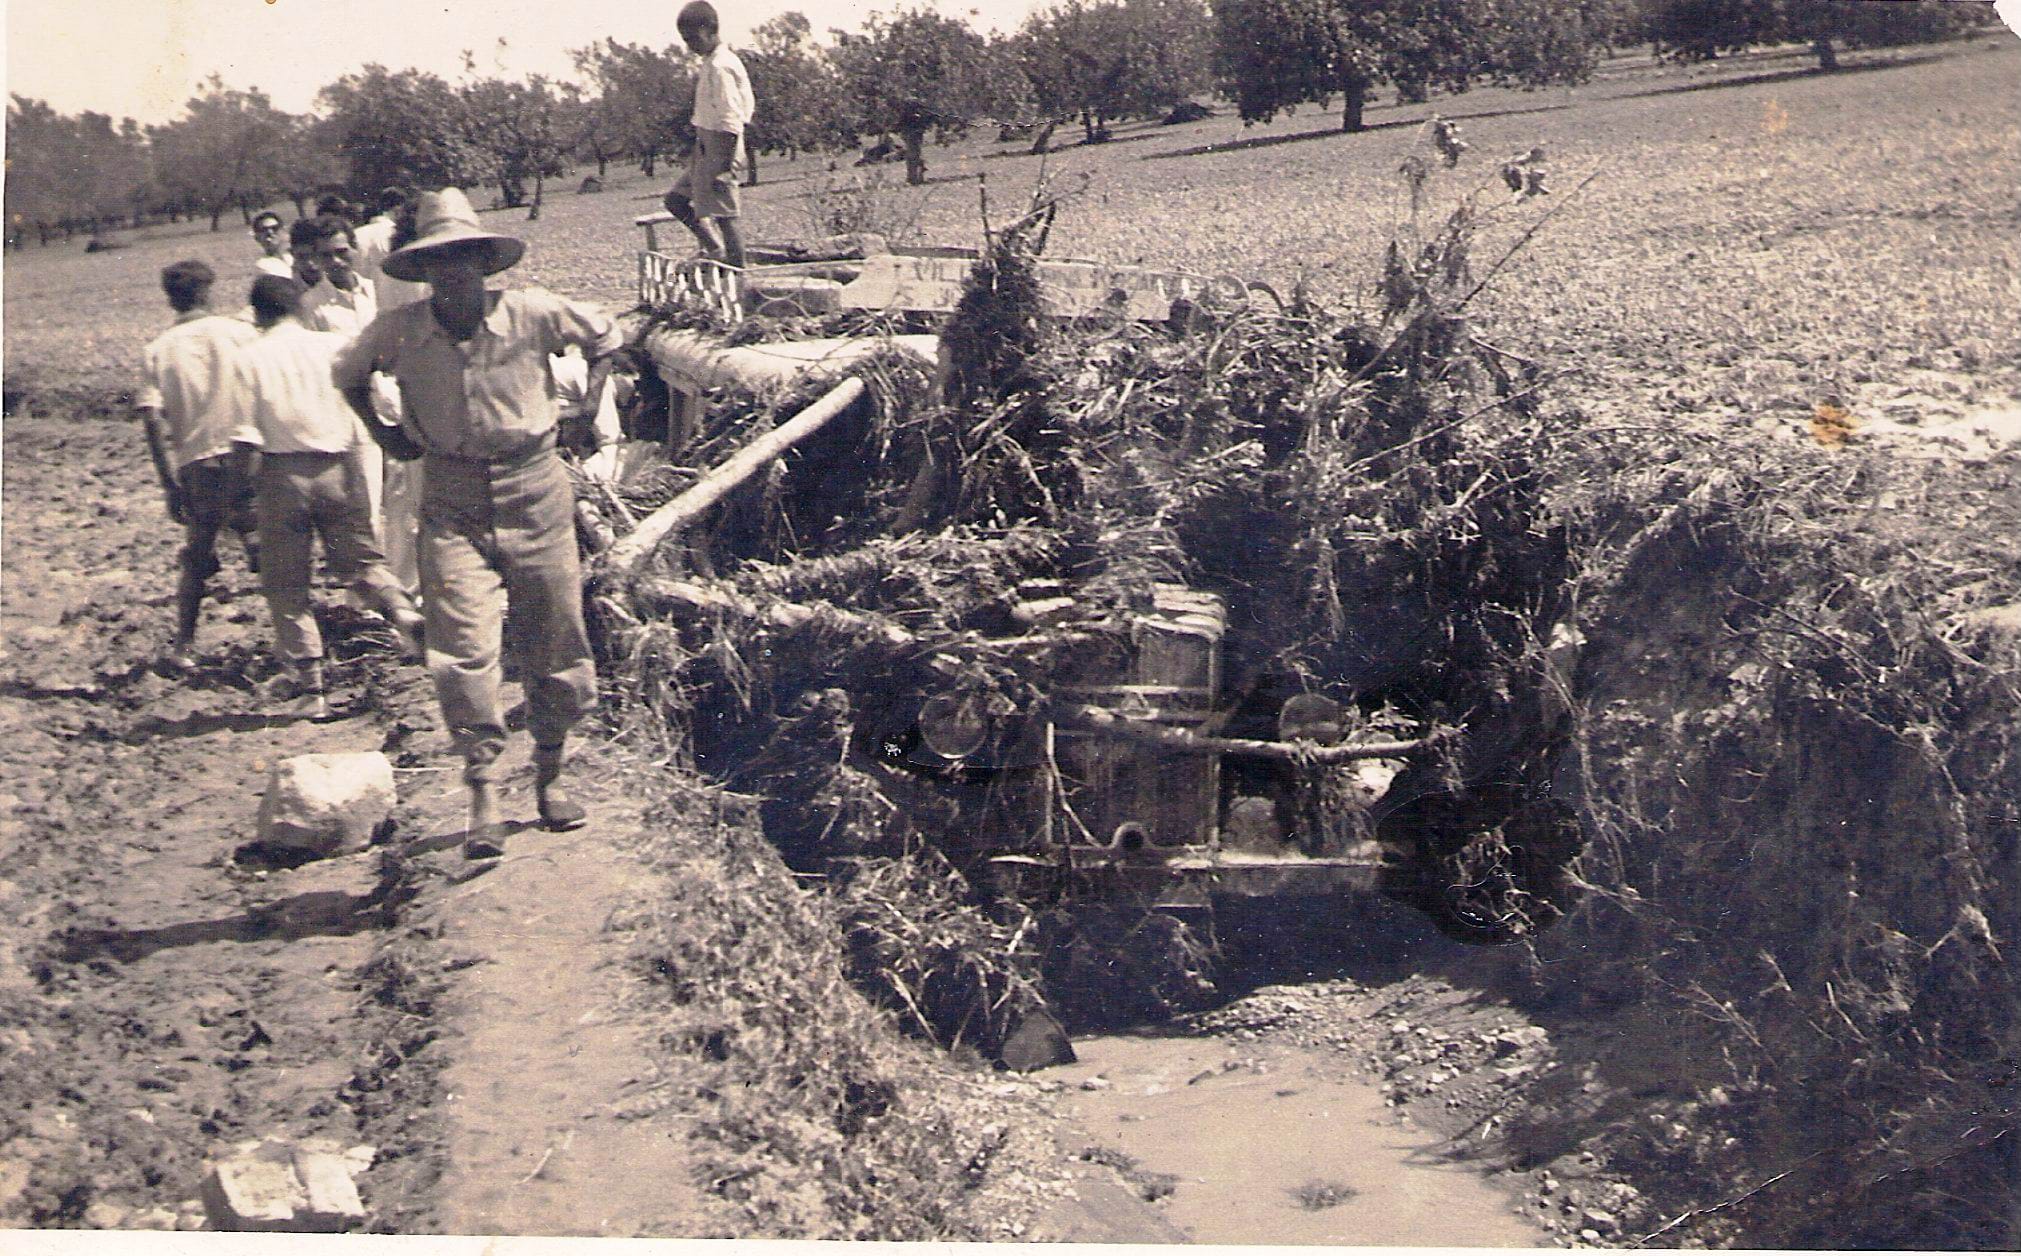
{"x":1798,"y":761}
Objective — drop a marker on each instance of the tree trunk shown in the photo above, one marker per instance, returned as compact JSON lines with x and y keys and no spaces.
{"x":1087,"y":127}
{"x":750,"y":166}
{"x":1044,"y":143}
{"x":915,"y":157}
{"x":217,"y":212}
{"x":298,"y":199}
{"x":1827,"y":56}
{"x":646,"y":163}
{"x":601,"y":162}
{"x":539,"y":184}
{"x":1353,"y":100}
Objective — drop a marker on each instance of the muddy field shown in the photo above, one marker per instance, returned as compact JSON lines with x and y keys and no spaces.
{"x":1781,"y":1012}
{"x":496,"y":1041}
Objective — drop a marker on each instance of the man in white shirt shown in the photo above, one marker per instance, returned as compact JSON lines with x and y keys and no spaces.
{"x":704,"y":199}
{"x":290,"y":411}
{"x":400,"y":494}
{"x":391,"y":228}
{"x":188,"y":416}
{"x":344,"y":303}
{"x":273,"y":242}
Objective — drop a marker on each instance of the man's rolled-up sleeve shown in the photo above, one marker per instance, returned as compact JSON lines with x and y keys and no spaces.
{"x":584,"y":326}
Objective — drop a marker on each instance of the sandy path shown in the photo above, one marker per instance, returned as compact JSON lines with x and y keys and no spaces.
{"x":541,"y":1137}
{"x":1244,"y":1129}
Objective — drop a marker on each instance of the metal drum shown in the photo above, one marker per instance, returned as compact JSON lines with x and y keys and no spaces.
{"x":1126,"y":795}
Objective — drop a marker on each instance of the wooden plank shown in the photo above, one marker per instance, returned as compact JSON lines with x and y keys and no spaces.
{"x":630,"y":553}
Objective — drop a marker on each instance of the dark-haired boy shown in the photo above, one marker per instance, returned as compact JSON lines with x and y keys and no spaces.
{"x":289,"y":409}
{"x":187,"y":415}
{"x":704,"y":199}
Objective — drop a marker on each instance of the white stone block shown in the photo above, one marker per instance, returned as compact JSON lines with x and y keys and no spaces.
{"x":327,"y":803}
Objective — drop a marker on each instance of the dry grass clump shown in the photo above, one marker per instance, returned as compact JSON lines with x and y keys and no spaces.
{"x":814,"y":1117}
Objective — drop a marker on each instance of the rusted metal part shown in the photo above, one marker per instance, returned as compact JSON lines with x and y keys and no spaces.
{"x":1096,"y":719}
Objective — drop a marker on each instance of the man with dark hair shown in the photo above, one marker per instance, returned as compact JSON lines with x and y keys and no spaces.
{"x":289,"y":410}
{"x":497,"y":508}
{"x":187,"y":417}
{"x":330,"y":203}
{"x":302,"y":267}
{"x":344,"y":303}
{"x":704,"y":199}
{"x":273,"y":242}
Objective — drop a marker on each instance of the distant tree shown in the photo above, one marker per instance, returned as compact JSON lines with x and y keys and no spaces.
{"x":1700,"y":30}
{"x":522,"y":127}
{"x":404,"y":127}
{"x":38,"y":142}
{"x":1703,"y":29}
{"x":592,"y":136}
{"x":1827,"y":25}
{"x":803,"y":103}
{"x":305,"y":163}
{"x":915,"y":71}
{"x":1534,"y":42}
{"x":646,"y":99}
{"x":1273,"y":55}
{"x":225,"y":151}
{"x":1110,"y":59}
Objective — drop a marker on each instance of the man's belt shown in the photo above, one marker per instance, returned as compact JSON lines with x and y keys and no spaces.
{"x":544,"y":443}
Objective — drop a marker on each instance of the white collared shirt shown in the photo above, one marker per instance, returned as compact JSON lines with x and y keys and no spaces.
{"x":723,"y":100}
{"x":327,"y":307}
{"x":188,"y":377}
{"x":287,"y":402}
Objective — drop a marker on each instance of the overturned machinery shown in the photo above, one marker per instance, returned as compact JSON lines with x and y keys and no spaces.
{"x":1102,"y":581}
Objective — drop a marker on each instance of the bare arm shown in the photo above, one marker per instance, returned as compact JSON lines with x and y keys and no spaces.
{"x":157,"y":446}
{"x":599,"y":376}
{"x":397,"y":444}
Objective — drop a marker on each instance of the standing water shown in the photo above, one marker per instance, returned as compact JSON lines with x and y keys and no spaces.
{"x":1272,"y":1144}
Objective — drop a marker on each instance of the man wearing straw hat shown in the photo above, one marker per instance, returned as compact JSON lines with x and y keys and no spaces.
{"x":497,"y":509}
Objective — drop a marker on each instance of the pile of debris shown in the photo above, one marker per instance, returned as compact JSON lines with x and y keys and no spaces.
{"x":1617,"y":672}
{"x":963,"y":552}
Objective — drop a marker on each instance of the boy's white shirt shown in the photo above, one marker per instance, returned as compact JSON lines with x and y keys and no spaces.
{"x":723,"y":100}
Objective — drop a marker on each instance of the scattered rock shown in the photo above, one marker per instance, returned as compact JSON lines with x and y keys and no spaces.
{"x":152,"y":1219}
{"x":1601,"y":1220}
{"x":277,"y":1186}
{"x":104,"y":1216}
{"x":1097,"y":1082}
{"x":327,"y":804}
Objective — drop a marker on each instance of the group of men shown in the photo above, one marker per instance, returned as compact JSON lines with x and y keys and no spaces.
{"x":278,"y":428}
{"x":382,"y":397}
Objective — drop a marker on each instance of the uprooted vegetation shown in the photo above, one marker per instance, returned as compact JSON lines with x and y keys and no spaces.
{"x":1707,"y":701}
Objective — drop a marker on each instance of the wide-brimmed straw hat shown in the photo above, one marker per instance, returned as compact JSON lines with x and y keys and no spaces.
{"x":444,"y":218}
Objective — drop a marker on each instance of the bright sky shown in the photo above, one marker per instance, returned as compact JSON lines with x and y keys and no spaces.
{"x":144,"y":58}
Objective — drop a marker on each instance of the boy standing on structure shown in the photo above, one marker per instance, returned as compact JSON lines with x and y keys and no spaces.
{"x":187,"y":414}
{"x":289,"y":410}
{"x":704,"y":198}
